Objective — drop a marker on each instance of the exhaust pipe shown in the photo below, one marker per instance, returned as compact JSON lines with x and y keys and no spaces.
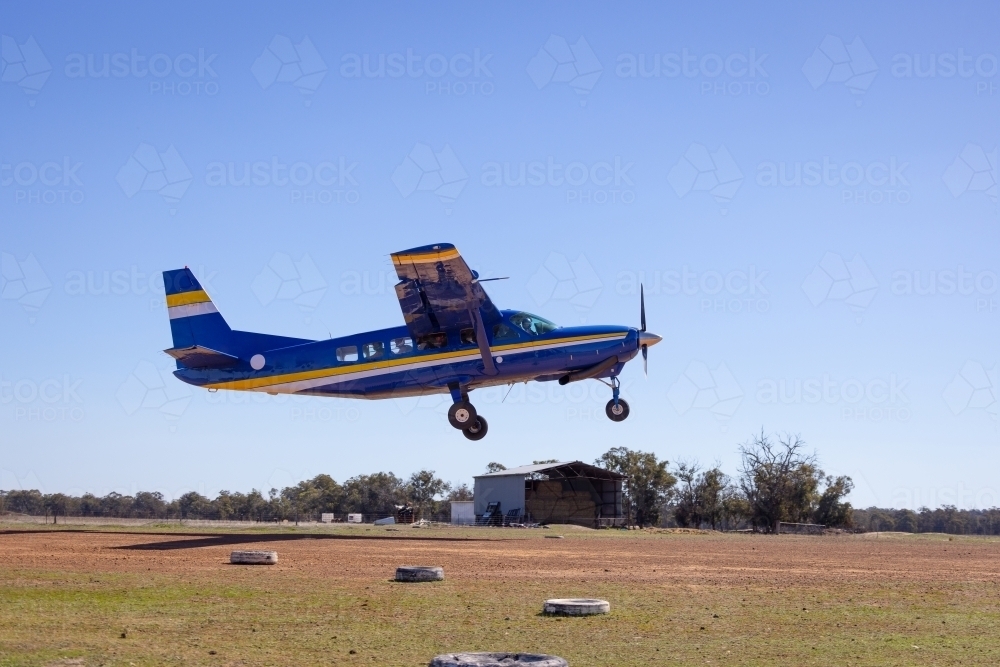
{"x":587,"y":373}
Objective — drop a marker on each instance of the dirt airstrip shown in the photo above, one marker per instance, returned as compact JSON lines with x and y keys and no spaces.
{"x":695,"y":559}
{"x":173,"y":597}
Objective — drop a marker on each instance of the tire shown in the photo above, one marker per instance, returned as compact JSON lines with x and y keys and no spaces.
{"x":576,"y":606}
{"x":419,"y":573}
{"x":498,"y":660}
{"x":461,"y":415}
{"x":253,"y":557}
{"x":622,"y":413}
{"x":478,"y":430}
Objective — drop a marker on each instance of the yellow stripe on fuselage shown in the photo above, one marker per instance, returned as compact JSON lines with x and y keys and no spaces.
{"x":185,"y":298}
{"x":429,"y":256}
{"x":399,"y":364}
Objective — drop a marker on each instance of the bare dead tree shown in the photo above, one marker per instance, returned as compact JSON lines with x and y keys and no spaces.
{"x":772,"y":477}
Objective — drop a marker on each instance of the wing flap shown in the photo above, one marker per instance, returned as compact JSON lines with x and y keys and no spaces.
{"x":437,"y":290}
{"x":198,"y":356}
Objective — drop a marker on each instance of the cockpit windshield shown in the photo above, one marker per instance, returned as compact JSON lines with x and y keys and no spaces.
{"x":532,"y":324}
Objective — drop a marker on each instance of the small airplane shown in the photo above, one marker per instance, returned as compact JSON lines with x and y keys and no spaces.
{"x":454,"y":341}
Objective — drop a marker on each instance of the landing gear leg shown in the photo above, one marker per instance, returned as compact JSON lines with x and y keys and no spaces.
{"x":616,"y":409}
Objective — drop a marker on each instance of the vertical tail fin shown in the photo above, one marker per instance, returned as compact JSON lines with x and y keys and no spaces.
{"x":194,"y":319}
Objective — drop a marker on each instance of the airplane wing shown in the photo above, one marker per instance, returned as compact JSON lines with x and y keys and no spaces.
{"x":437,"y":291}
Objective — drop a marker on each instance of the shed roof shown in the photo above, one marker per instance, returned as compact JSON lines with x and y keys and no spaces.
{"x":559,"y":469}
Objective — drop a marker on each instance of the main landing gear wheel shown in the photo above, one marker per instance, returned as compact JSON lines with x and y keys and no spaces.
{"x":462,"y":415}
{"x":617,"y":413}
{"x":477,"y":431}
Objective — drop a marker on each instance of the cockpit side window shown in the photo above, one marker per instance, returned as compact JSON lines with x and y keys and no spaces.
{"x":467,"y":336}
{"x":532,"y":324}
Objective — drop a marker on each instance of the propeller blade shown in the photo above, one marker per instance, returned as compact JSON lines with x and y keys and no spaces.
{"x":645,"y":361}
{"x":642,"y":307}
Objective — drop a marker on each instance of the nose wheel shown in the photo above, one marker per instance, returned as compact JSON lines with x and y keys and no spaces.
{"x":617,"y":408}
{"x":616,"y":412}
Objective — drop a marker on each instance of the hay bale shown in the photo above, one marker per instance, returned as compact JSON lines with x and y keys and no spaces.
{"x":576,"y":607}
{"x":419,"y":573}
{"x":253,"y":557}
{"x":497,"y":660}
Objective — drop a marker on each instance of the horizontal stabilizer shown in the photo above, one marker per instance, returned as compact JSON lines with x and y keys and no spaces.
{"x":197,"y":356}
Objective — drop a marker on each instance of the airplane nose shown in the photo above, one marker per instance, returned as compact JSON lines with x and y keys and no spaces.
{"x":648,"y":339}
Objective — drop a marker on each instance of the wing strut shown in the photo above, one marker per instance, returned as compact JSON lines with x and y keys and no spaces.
{"x":484,"y":344}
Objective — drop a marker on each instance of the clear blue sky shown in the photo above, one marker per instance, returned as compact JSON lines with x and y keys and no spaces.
{"x":807,"y":190}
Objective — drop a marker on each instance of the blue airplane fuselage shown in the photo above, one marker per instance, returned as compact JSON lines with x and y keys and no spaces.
{"x":386,"y":362}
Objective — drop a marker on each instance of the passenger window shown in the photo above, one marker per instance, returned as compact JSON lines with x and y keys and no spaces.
{"x":347,"y":353}
{"x":432,"y":341}
{"x":373,"y":350}
{"x":401,"y":345}
{"x":467,"y":336}
{"x":503,"y":332}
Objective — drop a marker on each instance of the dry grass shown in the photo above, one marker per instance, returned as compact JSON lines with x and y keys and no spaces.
{"x":172,"y":598}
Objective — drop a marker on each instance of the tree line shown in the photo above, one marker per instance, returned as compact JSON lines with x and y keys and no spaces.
{"x":777,"y":482}
{"x":375,"y":495}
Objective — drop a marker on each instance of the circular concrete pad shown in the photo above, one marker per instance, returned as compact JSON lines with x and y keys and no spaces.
{"x":253,"y":557}
{"x":419,"y":573}
{"x":497,"y":660}
{"x":576,"y":607}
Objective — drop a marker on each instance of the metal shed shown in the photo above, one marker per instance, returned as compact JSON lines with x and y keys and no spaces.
{"x":565,"y":492}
